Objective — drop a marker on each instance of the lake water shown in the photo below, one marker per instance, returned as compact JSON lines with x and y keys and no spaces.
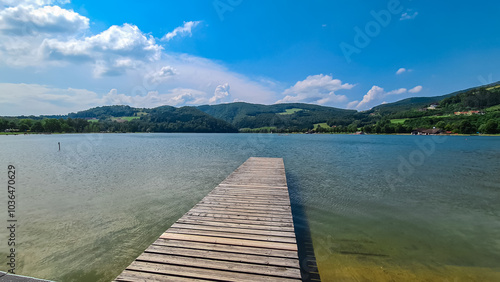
{"x":382,"y":208}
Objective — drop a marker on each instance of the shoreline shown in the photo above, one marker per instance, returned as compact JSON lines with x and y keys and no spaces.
{"x":282,"y":134}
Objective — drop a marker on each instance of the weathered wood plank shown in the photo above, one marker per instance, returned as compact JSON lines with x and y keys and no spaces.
{"x":242,"y":210}
{"x":135,"y":276}
{"x":232,"y":235}
{"x":243,"y":221}
{"x":217,"y":255}
{"x":234,"y":230}
{"x":235,"y":225}
{"x":227,"y":248}
{"x":244,"y":205}
{"x":201,"y":273}
{"x":245,"y":217}
{"x":280,"y":271}
{"x":230,"y":241}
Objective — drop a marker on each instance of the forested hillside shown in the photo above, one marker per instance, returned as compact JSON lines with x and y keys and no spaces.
{"x":468,"y":111}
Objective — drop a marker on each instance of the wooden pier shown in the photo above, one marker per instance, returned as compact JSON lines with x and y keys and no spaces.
{"x":241,"y":231}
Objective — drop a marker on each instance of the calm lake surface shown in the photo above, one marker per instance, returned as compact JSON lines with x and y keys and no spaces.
{"x":383,"y":208}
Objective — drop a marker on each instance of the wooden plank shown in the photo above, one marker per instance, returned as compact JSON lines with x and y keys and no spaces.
{"x":228,"y":185}
{"x":240,"y":212}
{"x":249,"y":193}
{"x":227,"y":248}
{"x":245,"y":205}
{"x":242,"y":221}
{"x":245,"y":217}
{"x":241,"y":231}
{"x":201,"y":273}
{"x":234,"y":230}
{"x":260,"y":192}
{"x":259,"y":200}
{"x":230,"y":241}
{"x":135,"y":276}
{"x":217,"y":255}
{"x":252,"y":198}
{"x":236,"y":225}
{"x":232,"y":235}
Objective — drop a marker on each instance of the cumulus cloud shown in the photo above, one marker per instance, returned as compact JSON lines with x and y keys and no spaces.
{"x":415,"y":89}
{"x":318,"y":89}
{"x":376,"y":94}
{"x":30,"y":20}
{"x":131,"y":60}
{"x":408,"y":15}
{"x":174,"y":97}
{"x":184,"y":30}
{"x":403,"y":70}
{"x":113,"y":50}
{"x":24,"y":25}
{"x":34,"y":33}
{"x":221,"y":94}
{"x":126,"y":40}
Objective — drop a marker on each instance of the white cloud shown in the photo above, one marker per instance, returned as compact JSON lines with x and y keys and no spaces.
{"x":34,"y":99}
{"x":375,"y":95}
{"x":415,"y":89}
{"x":184,"y":30}
{"x":353,"y":104}
{"x":319,"y":89}
{"x":161,"y":75}
{"x":32,"y":2}
{"x":408,"y":15}
{"x":221,"y":94}
{"x":30,"y":20}
{"x":144,"y":75}
{"x":126,"y":40}
{"x":403,"y":70}
{"x":174,"y":97}
{"x":114,"y":50}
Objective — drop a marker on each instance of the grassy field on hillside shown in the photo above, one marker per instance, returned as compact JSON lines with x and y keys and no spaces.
{"x":124,"y":118}
{"x":291,"y":111}
{"x":323,"y":124}
{"x":398,"y":120}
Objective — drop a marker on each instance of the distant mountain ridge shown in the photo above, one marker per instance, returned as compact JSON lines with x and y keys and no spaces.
{"x":397,"y":117}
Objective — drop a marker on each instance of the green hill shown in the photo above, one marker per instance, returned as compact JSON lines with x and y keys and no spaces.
{"x":415,"y":103}
{"x":293,"y":116}
{"x":160,"y":119}
{"x":478,"y":110}
{"x":107,"y":112}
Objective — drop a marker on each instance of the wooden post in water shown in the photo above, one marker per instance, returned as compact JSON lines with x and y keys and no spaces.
{"x":59,"y":143}
{"x":241,"y":231}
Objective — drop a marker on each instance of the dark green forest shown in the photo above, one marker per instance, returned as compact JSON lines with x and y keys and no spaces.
{"x":475,"y":110}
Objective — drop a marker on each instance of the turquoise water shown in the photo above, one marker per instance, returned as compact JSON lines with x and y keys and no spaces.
{"x":414,"y":206}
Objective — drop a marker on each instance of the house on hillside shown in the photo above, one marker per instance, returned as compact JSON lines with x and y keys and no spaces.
{"x":433,"y":106}
{"x":424,"y":131}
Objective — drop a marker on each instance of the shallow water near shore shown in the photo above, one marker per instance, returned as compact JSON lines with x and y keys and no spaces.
{"x":383,"y":208}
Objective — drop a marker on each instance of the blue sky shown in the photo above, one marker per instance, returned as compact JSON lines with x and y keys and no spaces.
{"x":59,"y":56}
